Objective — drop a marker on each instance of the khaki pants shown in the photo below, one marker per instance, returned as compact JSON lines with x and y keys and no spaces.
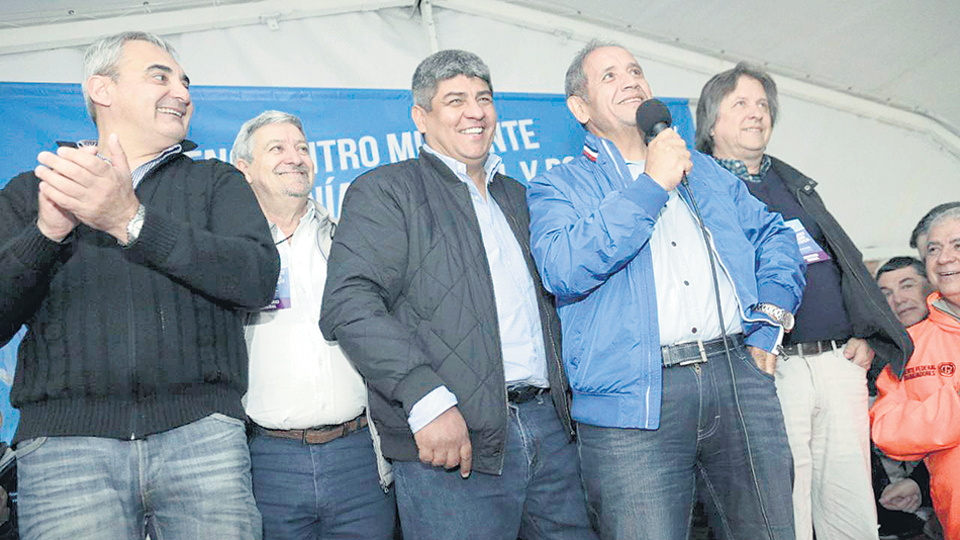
{"x":824,"y":401}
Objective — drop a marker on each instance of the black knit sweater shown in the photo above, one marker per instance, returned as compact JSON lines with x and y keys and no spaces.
{"x":125,"y":343}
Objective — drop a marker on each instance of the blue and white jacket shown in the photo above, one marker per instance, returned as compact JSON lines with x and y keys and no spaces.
{"x":590,"y":223}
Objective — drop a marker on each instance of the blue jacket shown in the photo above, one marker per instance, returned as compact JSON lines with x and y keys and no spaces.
{"x":590,"y":223}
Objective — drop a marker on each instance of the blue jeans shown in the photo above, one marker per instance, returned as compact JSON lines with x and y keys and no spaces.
{"x":186,"y":483}
{"x":537,"y":496}
{"x":321,"y":491}
{"x":641,"y":483}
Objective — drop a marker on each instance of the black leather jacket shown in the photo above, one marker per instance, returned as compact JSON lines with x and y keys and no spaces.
{"x":868,"y":310}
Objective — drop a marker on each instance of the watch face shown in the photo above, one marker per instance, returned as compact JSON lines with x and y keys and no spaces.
{"x":788,"y":321}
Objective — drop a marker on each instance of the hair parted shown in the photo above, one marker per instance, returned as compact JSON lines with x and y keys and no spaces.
{"x":717,"y":88}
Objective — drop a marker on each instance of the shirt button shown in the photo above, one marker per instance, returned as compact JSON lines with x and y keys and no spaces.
{"x":694,"y":329}
{"x":685,"y":282}
{"x":674,"y":244}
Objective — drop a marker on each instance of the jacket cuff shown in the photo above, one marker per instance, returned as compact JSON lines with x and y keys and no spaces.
{"x":418,"y":382}
{"x":34,"y":250}
{"x":157,"y":237}
{"x":766,"y":337}
{"x":647,"y":194}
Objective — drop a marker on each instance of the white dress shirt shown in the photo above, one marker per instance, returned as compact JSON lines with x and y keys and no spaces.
{"x":686,"y":305}
{"x":297,"y":379}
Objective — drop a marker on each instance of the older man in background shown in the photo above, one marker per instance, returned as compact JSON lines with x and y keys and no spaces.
{"x":917,"y":415}
{"x":840,"y":325}
{"x":317,"y":470}
{"x":903,"y":281}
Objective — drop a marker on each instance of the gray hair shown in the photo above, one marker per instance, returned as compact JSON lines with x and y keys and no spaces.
{"x":444,"y":65}
{"x":939,"y":213}
{"x":102,"y":57}
{"x":243,"y":144}
{"x":717,"y":88}
{"x":898,"y":263}
{"x":575,"y":83}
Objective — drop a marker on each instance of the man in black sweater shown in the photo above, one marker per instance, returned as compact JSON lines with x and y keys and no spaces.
{"x":130,"y":264}
{"x":842,"y":321}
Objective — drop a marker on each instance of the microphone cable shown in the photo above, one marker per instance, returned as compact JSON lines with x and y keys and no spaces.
{"x":726,"y":348}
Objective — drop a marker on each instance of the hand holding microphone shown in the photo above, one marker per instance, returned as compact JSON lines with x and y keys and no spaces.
{"x":668,"y":159}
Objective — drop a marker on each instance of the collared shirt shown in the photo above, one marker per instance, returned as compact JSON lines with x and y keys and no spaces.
{"x":739,"y":168}
{"x":141,"y":171}
{"x":686,"y":305}
{"x":521,"y":334}
{"x":297,"y":379}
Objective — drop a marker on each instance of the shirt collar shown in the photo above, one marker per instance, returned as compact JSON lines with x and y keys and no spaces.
{"x":739,"y":168}
{"x":945,"y":307}
{"x":491,"y":166}
{"x":311,"y":214}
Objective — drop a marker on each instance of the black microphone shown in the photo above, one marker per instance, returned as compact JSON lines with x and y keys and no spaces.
{"x":652,"y":118}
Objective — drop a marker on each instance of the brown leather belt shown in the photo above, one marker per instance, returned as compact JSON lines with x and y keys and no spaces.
{"x":811,"y":348}
{"x":317,"y":435}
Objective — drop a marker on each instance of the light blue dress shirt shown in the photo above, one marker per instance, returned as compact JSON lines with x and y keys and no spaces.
{"x":521,"y":334}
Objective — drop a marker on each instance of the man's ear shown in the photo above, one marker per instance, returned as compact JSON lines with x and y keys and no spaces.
{"x":419,"y":116}
{"x":100,"y":90}
{"x":244,"y":167}
{"x":578,"y":107}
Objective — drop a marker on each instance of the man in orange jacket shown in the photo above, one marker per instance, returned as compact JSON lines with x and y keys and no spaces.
{"x":918,"y":416}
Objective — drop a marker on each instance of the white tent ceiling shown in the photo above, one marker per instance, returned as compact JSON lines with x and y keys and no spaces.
{"x":901,"y":54}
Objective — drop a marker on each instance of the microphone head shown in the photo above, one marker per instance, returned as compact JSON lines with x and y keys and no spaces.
{"x":652,"y":118}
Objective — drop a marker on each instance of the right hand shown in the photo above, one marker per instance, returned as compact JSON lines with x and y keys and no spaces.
{"x":53,"y":221}
{"x":765,"y":361}
{"x":903,"y":495}
{"x":444,"y":442}
{"x":667,"y":159}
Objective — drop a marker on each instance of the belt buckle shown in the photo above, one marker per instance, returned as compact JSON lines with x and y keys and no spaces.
{"x":701,"y":360}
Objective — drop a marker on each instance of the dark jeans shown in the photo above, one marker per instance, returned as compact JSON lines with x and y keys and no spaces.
{"x":321,"y":491}
{"x":641,"y":483}
{"x":537,"y":496}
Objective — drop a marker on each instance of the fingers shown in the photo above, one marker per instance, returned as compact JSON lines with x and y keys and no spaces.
{"x":78,"y":164}
{"x":114,"y":151}
{"x":765,"y":361}
{"x":466,"y":459}
{"x":668,"y":159}
{"x":770,"y":364}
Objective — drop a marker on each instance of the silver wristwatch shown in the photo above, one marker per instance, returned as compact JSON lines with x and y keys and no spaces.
{"x":134,"y":226}
{"x":781,"y":316}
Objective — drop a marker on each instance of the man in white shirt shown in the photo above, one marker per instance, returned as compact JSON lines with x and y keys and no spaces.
{"x":317,"y":470}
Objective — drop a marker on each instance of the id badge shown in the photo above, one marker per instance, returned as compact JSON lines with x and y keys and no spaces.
{"x":811,"y":251}
{"x":281,"y":297}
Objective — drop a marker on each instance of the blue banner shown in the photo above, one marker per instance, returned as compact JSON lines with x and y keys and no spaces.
{"x":349,"y":131}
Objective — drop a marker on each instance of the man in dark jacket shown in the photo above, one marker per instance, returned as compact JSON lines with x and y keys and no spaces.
{"x":842,"y":321}
{"x":432,"y":293}
{"x":130,"y":265}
